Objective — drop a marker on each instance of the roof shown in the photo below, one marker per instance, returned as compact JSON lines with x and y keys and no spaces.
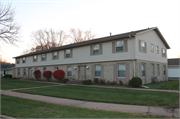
{"x":175,"y":61}
{"x":3,"y":66}
{"x":98,"y":40}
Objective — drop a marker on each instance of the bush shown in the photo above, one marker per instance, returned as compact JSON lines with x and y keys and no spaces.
{"x":47,"y":75}
{"x":135,"y":82}
{"x":37,"y":74}
{"x":87,"y":82}
{"x":120,"y":82}
{"x":102,"y":82}
{"x":58,"y":74}
{"x":8,"y":76}
{"x":111,"y":83}
{"x":64,"y":80}
{"x":96,"y":80}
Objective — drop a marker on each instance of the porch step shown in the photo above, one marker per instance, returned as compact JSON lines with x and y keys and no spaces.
{"x":74,"y":82}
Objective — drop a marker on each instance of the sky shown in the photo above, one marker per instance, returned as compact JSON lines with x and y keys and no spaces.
{"x":99,"y":16}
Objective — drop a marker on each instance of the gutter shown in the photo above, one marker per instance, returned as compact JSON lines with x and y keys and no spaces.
{"x":133,"y":55}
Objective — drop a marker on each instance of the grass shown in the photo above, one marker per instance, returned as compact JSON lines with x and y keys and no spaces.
{"x":7,"y":84}
{"x":121,"y":96}
{"x":24,"y":108}
{"x":166,"y":85}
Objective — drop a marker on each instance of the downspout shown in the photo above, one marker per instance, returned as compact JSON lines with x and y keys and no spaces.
{"x":133,"y":55}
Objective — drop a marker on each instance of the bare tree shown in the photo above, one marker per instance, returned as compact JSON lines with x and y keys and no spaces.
{"x":46,"y":39}
{"x":25,"y":51}
{"x":78,"y":35}
{"x":8,"y":29}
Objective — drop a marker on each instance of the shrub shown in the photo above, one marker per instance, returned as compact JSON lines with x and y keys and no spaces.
{"x":111,"y":83}
{"x":87,"y":82}
{"x":8,"y":76}
{"x":135,"y":82}
{"x":47,"y":75}
{"x":96,"y":80}
{"x":101,"y":81}
{"x":64,"y":80}
{"x":58,"y":74}
{"x":120,"y":82}
{"x":37,"y":74}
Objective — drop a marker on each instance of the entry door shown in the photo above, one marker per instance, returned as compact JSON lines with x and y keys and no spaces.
{"x":82,"y":73}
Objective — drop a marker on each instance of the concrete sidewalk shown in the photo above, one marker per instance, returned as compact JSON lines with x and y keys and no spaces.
{"x":170,"y":112}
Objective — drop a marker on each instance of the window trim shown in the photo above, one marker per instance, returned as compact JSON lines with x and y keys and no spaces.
{"x":100,"y":49}
{"x":116,"y":46}
{"x":164,"y":54}
{"x":17,"y":60}
{"x":145,"y":46}
{"x":42,"y":57}
{"x":157,"y":49}
{"x":69,"y":71}
{"x":23,"y":61}
{"x":152,"y":50}
{"x":121,"y":70}
{"x":36,"y":58}
{"x":97,"y":70}
{"x":57,"y":55}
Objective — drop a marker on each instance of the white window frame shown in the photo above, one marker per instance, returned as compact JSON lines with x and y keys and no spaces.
{"x":97,"y":71}
{"x":68,"y":53}
{"x":24,"y":60}
{"x":69,"y":71}
{"x":157,"y":49}
{"x":121,"y":42}
{"x":164,"y":52}
{"x":143,"y":48}
{"x":152,"y":47}
{"x":120,"y":70}
{"x":96,"y":49}
{"x":35,"y":59}
{"x":55,"y":56}
{"x":43,"y":58}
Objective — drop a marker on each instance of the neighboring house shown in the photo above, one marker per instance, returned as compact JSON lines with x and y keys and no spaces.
{"x":7,"y":69}
{"x":174,"y":68}
{"x":141,"y":53}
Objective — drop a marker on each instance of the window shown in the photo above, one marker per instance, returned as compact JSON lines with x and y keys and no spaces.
{"x":43,"y":57}
{"x":35,"y":58}
{"x":44,"y":69}
{"x":95,"y":49}
{"x":163,"y":52}
{"x":24,"y":71}
{"x":68,"y":53}
{"x":157,"y":49}
{"x":152,"y":69}
{"x":18,"y":71}
{"x":55,"y":55}
{"x":152,"y":48}
{"x":119,"y":46}
{"x":55,"y":68}
{"x":35,"y":69}
{"x":69,"y":71}
{"x":97,"y":71}
{"x":158,"y":69}
{"x":164,"y":70}
{"x":121,"y":70}
{"x":18,"y":61}
{"x":143,"y":69}
{"x":142,"y":46}
{"x":24,"y":59}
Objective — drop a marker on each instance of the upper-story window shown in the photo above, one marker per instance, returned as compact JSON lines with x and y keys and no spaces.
{"x":35,"y":58}
{"x":24,"y":60}
{"x":17,"y":61}
{"x":152,"y":48}
{"x":98,"y":71}
{"x":119,"y":46}
{"x":43,"y":57}
{"x":121,"y":70}
{"x":96,"y":50}
{"x":163,"y":52}
{"x":157,"y":49}
{"x":142,"y":46}
{"x":68,"y":53}
{"x":55,"y":55}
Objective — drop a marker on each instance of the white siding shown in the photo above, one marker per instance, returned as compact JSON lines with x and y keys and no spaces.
{"x":150,"y":37}
{"x":81,"y":55}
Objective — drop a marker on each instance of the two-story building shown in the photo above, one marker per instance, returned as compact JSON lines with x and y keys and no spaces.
{"x":141,"y":53}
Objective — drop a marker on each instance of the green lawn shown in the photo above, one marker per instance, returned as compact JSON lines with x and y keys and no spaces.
{"x":167,"y":85}
{"x":7,"y":84}
{"x":24,"y":108}
{"x":122,"y":96}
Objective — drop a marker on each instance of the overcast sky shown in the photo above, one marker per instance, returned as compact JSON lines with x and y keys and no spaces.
{"x":102,"y":17}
